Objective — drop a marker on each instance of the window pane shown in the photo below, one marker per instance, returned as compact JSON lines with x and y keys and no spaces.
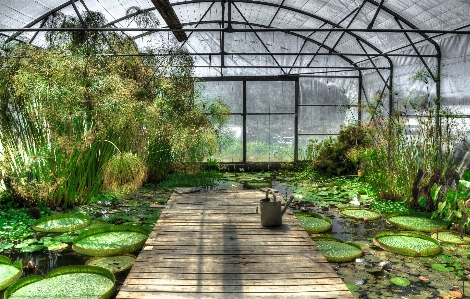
{"x":270,"y":96}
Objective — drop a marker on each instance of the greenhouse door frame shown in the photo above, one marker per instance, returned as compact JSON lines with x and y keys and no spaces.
{"x":295,"y":79}
{"x":244,"y":114}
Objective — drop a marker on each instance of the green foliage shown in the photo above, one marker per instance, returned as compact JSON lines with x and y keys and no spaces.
{"x":407,"y":243}
{"x":9,"y":272}
{"x":417,"y":221}
{"x":338,"y":252}
{"x":15,"y":224}
{"x":204,"y":179}
{"x":400,"y":281}
{"x":124,"y":173}
{"x":61,"y":223}
{"x":59,"y":104}
{"x":454,"y":205}
{"x":361,"y":214}
{"x":66,"y":282}
{"x":314,"y":224}
{"x":110,"y":240}
{"x":388,"y":206}
{"x":114,"y":264}
{"x":332,"y":154}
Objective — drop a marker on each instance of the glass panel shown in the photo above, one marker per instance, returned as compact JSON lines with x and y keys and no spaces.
{"x":305,"y":141}
{"x":231,"y":141}
{"x":231,"y":92}
{"x":270,"y":138}
{"x":270,"y":96}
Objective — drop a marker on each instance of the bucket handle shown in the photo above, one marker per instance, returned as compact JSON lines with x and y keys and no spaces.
{"x":269,"y":190}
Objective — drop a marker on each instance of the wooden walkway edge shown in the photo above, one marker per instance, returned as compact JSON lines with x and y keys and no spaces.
{"x":212,"y":245}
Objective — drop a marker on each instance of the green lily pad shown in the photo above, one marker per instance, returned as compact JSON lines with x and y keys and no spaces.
{"x":32,"y":248}
{"x":418,"y":221}
{"x":61,"y":223}
{"x":315,"y":225}
{"x":84,"y":282}
{"x":361,"y":214}
{"x":407,"y":243}
{"x":352,"y":287}
{"x":400,"y":281}
{"x":9,"y":272}
{"x":442,"y":267}
{"x":114,"y":264}
{"x":336,"y":251}
{"x":111,"y":240}
{"x":256,"y":184}
{"x":451,"y":237}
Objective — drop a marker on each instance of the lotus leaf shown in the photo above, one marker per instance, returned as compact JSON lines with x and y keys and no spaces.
{"x":361,"y":214}
{"x":352,"y":287}
{"x":400,"y":281}
{"x":61,"y":223}
{"x":84,"y":282}
{"x":114,"y":264}
{"x":407,"y":243}
{"x":9,"y":272}
{"x":338,"y":252}
{"x":110,"y":240}
{"x":451,"y":237}
{"x":419,"y":222}
{"x":314,"y":224}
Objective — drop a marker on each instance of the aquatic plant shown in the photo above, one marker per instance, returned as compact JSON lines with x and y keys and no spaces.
{"x":400,"y":281}
{"x":124,"y":173}
{"x":407,"y":243}
{"x":452,"y":237}
{"x":315,"y":223}
{"x":110,"y":240}
{"x":114,"y":264}
{"x":9,"y":272}
{"x":417,"y":221}
{"x":336,"y":251}
{"x":61,"y":223}
{"x":65,"y":282}
{"x":360,"y":214}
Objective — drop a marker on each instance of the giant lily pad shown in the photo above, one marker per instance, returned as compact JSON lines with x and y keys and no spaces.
{"x":110,"y":240}
{"x":256,"y":184}
{"x":315,"y":223}
{"x":336,"y":251}
{"x":9,"y":272}
{"x":114,"y":264}
{"x":417,"y":221}
{"x":451,"y":237}
{"x":361,"y":214}
{"x":61,"y":223}
{"x":84,"y":282}
{"x":407,"y":243}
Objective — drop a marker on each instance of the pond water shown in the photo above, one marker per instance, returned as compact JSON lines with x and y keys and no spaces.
{"x":368,"y":276}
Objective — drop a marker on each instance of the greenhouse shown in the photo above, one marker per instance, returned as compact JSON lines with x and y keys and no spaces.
{"x":166,"y":131}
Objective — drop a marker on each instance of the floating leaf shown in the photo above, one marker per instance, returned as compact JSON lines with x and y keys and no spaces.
{"x":114,"y":264}
{"x":407,"y":243}
{"x":400,"y":281}
{"x":352,"y":287}
{"x":314,"y":225}
{"x":9,"y":272}
{"x":61,"y":223}
{"x":442,"y":268}
{"x":110,"y":240}
{"x":65,"y":282}
{"x":451,"y":237}
{"x":32,"y":248}
{"x":418,"y":221}
{"x":336,"y":251}
{"x":360,"y":214}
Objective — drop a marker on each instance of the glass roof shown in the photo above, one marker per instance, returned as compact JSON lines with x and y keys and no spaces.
{"x":247,"y":32}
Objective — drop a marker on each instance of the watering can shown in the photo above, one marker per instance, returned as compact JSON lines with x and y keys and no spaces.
{"x":271,"y":213}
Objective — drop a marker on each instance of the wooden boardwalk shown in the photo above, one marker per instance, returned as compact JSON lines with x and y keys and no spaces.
{"x":212,"y":245}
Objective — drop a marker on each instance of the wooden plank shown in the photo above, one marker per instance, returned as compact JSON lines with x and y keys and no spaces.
{"x":212,"y":245}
